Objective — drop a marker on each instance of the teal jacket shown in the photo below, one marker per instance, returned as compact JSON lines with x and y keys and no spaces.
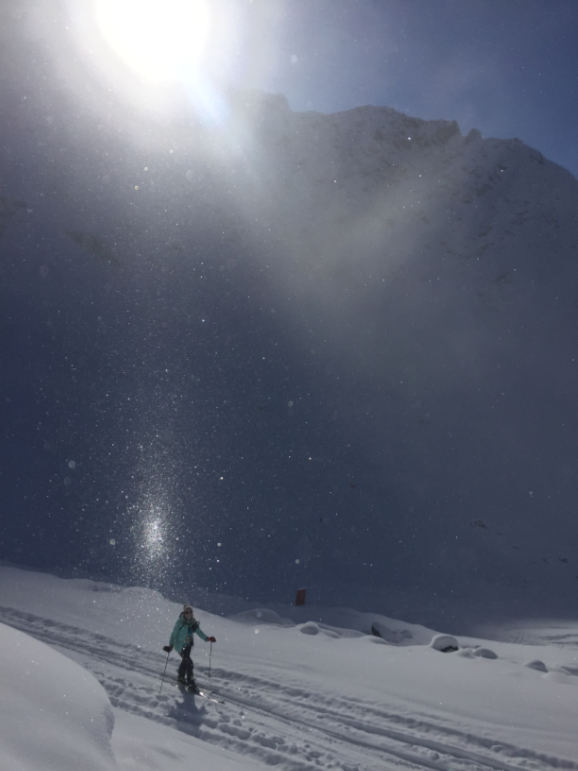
{"x":183,"y":633}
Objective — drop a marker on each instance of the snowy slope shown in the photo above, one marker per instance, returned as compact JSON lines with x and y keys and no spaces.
{"x":375,"y":318}
{"x":296,"y":695}
{"x":54,"y":716}
{"x":441,"y":270}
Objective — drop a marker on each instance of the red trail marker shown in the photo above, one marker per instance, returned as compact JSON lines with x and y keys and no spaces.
{"x":300,"y":598}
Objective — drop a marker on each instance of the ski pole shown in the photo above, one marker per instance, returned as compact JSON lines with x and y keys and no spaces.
{"x":210,"y":656}
{"x":164,"y":672}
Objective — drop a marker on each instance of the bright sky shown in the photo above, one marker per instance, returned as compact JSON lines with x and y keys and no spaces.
{"x":506,"y":68}
{"x":159,"y":41}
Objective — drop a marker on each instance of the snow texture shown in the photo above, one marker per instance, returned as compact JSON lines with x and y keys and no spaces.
{"x":298,"y":694}
{"x":54,"y":715}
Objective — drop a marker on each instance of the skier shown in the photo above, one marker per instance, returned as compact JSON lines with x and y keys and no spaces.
{"x":182,"y":640}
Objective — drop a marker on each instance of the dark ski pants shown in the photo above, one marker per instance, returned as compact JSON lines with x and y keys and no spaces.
{"x":186,"y":665}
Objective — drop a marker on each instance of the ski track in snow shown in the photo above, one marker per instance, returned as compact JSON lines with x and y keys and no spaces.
{"x":261,"y":717}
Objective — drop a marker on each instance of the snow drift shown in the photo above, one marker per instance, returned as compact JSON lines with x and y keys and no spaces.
{"x":54,"y":714}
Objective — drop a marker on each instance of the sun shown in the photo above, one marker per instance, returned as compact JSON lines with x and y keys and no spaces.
{"x":160,"y":40}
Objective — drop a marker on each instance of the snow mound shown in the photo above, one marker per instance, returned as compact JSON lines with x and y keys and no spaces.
{"x":394,"y":636}
{"x":346,"y":621}
{"x":309,"y":628}
{"x":54,"y":715}
{"x":485,"y":653}
{"x":444,"y":643}
{"x":568,"y":669}
{"x":312,"y":628}
{"x":537,"y":665}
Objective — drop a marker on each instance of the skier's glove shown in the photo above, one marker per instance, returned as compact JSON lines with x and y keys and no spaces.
{"x":167,"y":648}
{"x":211,"y":639}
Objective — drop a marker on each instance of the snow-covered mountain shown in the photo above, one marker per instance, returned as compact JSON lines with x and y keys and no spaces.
{"x":441,"y":271}
{"x":326,"y":350}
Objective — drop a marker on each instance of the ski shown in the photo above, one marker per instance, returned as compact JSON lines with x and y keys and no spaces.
{"x":209,"y":695}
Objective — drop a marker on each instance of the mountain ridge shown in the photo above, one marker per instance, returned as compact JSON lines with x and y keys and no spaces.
{"x":345,"y":338}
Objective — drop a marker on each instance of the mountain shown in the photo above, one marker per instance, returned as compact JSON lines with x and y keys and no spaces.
{"x":287,"y":349}
{"x":441,"y":271}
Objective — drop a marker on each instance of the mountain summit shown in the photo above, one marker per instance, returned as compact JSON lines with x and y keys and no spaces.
{"x":329,"y":350}
{"x":441,"y":271}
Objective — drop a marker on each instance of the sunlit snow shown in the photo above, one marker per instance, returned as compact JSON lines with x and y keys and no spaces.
{"x":298,"y":688}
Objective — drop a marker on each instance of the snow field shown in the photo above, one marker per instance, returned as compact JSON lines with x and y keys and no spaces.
{"x":305,"y":695}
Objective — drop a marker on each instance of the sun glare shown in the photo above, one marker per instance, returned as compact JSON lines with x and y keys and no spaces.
{"x":160,"y":40}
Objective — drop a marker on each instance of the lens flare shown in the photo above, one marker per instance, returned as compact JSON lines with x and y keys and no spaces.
{"x":160,"y":41}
